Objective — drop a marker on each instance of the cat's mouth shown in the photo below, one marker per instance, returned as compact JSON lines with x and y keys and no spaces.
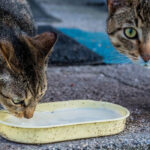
{"x":19,"y":108}
{"x":27,"y":112}
{"x":142,"y":63}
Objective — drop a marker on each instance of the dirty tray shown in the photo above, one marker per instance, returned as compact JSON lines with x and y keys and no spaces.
{"x":61,"y":121}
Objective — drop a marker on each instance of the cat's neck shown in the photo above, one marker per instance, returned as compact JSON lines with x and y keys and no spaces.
{"x":8,"y":31}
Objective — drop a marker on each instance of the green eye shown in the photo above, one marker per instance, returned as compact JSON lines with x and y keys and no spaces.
{"x":17,"y":101}
{"x":130,"y":33}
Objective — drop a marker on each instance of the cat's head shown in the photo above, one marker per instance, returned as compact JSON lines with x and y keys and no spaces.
{"x":23,"y":62}
{"x":128,"y":27}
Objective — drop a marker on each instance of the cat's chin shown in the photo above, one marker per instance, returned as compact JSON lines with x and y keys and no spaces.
{"x":27,"y":114}
{"x":19,"y":115}
{"x":141,"y":62}
{"x":147,"y":66}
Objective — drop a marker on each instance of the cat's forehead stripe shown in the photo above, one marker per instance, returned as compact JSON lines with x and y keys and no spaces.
{"x":114,"y":31}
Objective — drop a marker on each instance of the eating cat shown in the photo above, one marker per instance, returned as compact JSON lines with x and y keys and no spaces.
{"x":23,"y":59}
{"x":128,"y":27}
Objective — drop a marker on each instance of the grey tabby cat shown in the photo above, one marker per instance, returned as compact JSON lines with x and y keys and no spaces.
{"x":128,"y":27}
{"x":23,"y":59}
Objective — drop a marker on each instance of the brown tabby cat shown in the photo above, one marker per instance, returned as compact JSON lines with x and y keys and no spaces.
{"x":128,"y":27}
{"x":23,"y":58}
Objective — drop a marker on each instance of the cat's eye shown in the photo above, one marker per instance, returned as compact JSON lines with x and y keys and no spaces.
{"x":130,"y":33}
{"x":17,"y":101}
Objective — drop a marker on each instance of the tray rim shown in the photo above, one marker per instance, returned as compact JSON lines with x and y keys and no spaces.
{"x":71,"y":124}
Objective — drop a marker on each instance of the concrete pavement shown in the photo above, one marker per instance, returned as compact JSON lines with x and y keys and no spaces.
{"x":127,"y":85}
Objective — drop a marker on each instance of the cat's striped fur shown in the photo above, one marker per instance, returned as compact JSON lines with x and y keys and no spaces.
{"x":130,"y":14}
{"x":23,"y":58}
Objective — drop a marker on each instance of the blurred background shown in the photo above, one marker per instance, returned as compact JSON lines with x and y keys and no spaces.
{"x":81,"y":26}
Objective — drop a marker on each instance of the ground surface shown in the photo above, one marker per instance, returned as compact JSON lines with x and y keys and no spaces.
{"x":127,"y":85}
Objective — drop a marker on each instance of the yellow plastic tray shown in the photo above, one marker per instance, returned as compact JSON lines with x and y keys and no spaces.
{"x":67,"y":130}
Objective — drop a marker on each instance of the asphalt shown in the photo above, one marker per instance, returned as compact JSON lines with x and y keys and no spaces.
{"x":127,"y":85}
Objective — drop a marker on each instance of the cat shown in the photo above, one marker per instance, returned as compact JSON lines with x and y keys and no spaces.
{"x":128,"y":26}
{"x":23,"y":59}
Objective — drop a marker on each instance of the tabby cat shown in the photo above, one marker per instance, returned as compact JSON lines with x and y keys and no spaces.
{"x":128,"y":27}
{"x":23,"y":59}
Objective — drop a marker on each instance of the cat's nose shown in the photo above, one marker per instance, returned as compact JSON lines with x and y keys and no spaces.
{"x":29,"y":112}
{"x":145,"y":51}
{"x":30,"y":109}
{"x":146,"y":57}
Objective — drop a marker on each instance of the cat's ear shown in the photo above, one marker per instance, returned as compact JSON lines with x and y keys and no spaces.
{"x":113,"y":5}
{"x":41,"y":45}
